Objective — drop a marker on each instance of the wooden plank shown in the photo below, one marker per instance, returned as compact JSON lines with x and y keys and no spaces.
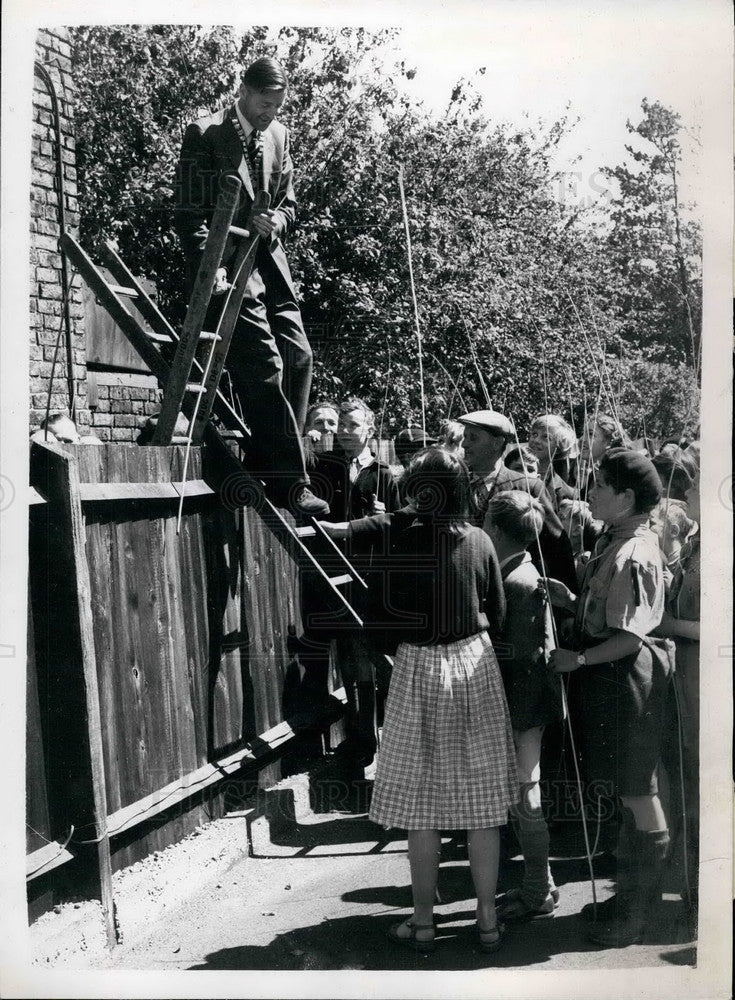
{"x":100,"y":492}
{"x":38,"y":824}
{"x":121,"y":315}
{"x":197,"y":309}
{"x":144,"y":303}
{"x":194,"y":488}
{"x":105,"y":342}
{"x":166,"y":333}
{"x":45,"y":859}
{"x":262,"y":747}
{"x":60,"y":475}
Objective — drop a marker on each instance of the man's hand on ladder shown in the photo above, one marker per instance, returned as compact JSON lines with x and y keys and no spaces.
{"x":265,"y":223}
{"x":221,"y":284}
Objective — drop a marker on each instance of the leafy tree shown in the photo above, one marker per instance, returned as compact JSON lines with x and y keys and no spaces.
{"x":655,"y":248}
{"x":503,"y":277}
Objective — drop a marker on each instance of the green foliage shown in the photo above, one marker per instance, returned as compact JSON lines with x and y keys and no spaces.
{"x":654,"y":249}
{"x":502,"y":273}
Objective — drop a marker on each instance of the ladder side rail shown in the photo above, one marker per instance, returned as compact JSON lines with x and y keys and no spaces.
{"x":197,"y":310}
{"x":160,"y":325}
{"x":116,"y":308}
{"x":225,"y":329}
{"x":272,"y":517}
{"x":143,"y":302}
{"x":338,"y":551}
{"x":244,"y":262}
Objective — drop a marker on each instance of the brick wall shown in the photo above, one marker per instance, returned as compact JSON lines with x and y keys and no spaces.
{"x":120,"y":404}
{"x":112,"y":404}
{"x":53,"y":52}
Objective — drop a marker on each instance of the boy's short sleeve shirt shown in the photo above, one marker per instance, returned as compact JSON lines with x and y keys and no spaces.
{"x":624,"y":584}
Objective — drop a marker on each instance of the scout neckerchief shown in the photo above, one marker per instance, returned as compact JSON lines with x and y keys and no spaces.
{"x":253,"y":149}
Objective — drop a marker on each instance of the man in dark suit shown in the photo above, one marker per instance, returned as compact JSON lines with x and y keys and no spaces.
{"x":270,"y":360}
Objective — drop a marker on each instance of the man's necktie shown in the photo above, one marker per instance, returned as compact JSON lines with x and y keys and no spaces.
{"x":480,"y":496}
{"x":255,"y":159}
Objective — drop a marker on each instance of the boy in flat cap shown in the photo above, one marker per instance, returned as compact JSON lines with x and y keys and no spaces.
{"x":486,"y":435}
{"x":624,"y":675}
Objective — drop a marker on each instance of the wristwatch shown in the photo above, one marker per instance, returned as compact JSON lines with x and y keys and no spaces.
{"x":581,"y":659}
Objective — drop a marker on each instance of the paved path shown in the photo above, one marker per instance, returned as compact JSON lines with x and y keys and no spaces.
{"x":321,"y":891}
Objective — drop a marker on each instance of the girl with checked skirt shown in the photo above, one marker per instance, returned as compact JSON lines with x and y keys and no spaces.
{"x":446,"y":759}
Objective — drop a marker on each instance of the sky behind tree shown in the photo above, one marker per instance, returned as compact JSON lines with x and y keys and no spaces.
{"x":592,"y":62}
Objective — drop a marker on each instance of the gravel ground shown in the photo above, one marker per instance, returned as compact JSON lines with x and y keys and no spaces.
{"x":321,"y":888}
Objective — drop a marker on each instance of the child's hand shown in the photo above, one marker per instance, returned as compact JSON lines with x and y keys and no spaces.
{"x":378,"y":507}
{"x":563,"y":661}
{"x":558,"y":592}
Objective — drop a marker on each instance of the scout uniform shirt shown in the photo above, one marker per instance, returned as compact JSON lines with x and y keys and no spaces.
{"x":623,"y":586}
{"x":623,"y":702}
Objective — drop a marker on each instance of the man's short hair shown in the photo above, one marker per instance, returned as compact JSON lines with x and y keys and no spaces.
{"x":322,"y":404}
{"x":517,"y":514}
{"x":265,"y":73}
{"x":355,"y":403}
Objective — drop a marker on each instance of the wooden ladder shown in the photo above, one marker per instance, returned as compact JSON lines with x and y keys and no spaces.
{"x":181,"y":393}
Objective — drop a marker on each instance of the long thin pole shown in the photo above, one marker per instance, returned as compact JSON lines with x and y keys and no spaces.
{"x":565,"y":706}
{"x":483,"y":386}
{"x":456,"y":387}
{"x":413,"y":296}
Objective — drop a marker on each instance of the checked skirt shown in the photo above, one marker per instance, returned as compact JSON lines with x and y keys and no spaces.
{"x":446,"y":756}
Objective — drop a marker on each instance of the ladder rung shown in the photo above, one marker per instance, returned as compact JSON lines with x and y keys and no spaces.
{"x":305,"y":532}
{"x":122,"y":290}
{"x":196,"y":387}
{"x":239,"y":231}
{"x":337,"y":581}
{"x":209,"y":336}
{"x":159,"y":338}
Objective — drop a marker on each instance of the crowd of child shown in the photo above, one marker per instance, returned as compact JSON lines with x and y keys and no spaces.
{"x":503,"y":567}
{"x":495,"y":568}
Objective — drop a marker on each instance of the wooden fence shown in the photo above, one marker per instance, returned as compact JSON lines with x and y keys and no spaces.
{"x":156,"y":660}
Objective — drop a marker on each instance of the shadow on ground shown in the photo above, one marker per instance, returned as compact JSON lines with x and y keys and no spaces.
{"x":360,"y":941}
{"x":357,"y":942}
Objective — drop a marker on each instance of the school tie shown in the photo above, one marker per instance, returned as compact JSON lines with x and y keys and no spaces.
{"x":255,"y":159}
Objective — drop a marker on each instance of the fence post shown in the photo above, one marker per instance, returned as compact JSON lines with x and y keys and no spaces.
{"x":78,"y":755}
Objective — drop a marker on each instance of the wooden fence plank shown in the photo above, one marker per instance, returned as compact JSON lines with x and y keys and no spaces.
{"x":58,"y":475}
{"x":263,"y":746}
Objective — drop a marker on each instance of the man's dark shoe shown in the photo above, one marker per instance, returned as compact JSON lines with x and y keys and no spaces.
{"x":305,"y":504}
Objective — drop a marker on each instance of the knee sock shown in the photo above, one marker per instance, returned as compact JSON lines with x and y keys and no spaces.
{"x":533,"y":836}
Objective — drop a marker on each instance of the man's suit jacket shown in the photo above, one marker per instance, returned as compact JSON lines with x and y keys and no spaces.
{"x":212,"y":149}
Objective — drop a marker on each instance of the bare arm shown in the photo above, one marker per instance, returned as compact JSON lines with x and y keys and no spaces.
{"x":617,"y":647}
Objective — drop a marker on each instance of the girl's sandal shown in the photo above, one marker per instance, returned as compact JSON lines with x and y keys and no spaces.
{"x":426,"y":947}
{"x":490,"y":940}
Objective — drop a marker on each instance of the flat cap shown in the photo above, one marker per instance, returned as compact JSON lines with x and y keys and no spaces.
{"x":488,"y":420}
